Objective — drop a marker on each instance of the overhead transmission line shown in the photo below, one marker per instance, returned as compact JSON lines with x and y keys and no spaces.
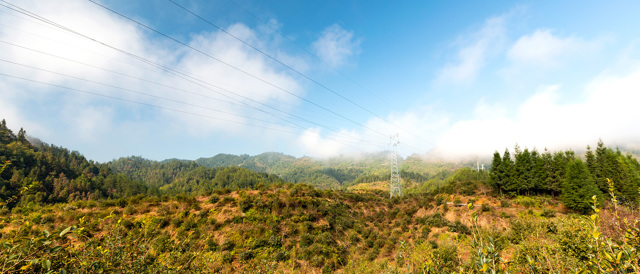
{"x":239,"y":69}
{"x":287,"y":66}
{"x":159,"y":66}
{"x":140,"y":92}
{"x":307,"y":51}
{"x":137,"y":102}
{"x":242,"y":104}
{"x":128,"y":76}
{"x":160,"y":107}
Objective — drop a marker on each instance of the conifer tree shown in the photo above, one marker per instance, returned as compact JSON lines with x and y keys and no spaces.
{"x":578,"y":187}
{"x":497,"y":172}
{"x":523,"y":168}
{"x":508,"y":170}
{"x":539,"y":175}
{"x":557,"y":171}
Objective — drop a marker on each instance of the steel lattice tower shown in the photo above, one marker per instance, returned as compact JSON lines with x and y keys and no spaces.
{"x":395,"y":187}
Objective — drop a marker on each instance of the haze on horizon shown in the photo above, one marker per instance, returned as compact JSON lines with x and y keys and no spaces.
{"x":320,"y":78}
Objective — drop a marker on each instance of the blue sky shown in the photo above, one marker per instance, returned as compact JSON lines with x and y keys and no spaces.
{"x":452,"y":78}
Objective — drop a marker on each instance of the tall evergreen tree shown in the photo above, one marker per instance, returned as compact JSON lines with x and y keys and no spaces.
{"x":578,"y":187}
{"x":539,"y":174}
{"x":497,"y":172}
{"x":523,"y":169}
{"x":508,"y":170}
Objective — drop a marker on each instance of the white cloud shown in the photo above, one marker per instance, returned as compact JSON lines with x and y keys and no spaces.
{"x":336,"y":45}
{"x":318,"y":146}
{"x":472,"y":55}
{"x":416,"y":128}
{"x":55,"y":112}
{"x":544,"y":48}
{"x":606,"y":109}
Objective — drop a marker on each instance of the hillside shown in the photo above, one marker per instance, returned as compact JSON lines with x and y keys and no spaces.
{"x":60,"y":212}
{"x":300,"y":229}
{"x":334,"y":172}
{"x":50,"y":174}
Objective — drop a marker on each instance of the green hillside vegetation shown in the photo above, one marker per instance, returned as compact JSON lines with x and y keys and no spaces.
{"x":567,"y":175}
{"x":62,"y":213}
{"x":174,"y":177}
{"x":54,"y":174}
{"x":332,"y":173}
{"x":298,"y":228}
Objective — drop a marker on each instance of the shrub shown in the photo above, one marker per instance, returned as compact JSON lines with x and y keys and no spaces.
{"x":281,"y":256}
{"x":245,"y":202}
{"x":130,"y":210}
{"x":505,"y":203}
{"x":246,"y":255}
{"x":436,"y":220}
{"x":122,"y":202}
{"x":227,"y":200}
{"x":485,"y":208}
{"x":526,"y":201}
{"x":306,"y":240}
{"x":548,"y":213}
{"x":425,"y":231}
{"x":373,"y":254}
{"x":227,"y":257}
{"x":446,"y":257}
{"x":459,"y":227}
{"x":227,"y":245}
{"x":354,"y":238}
{"x":440,"y":200}
{"x":317,"y":261}
{"x":213,"y":199}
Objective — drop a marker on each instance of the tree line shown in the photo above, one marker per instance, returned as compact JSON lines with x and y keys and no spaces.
{"x":46,"y":173}
{"x":565,"y":174}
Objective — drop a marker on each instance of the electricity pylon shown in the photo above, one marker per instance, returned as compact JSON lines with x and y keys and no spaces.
{"x":395,"y":187}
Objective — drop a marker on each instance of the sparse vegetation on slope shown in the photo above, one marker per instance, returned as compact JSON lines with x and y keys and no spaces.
{"x":230,"y":219}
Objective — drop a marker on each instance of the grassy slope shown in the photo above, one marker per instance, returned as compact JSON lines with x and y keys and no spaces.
{"x":300,"y":229}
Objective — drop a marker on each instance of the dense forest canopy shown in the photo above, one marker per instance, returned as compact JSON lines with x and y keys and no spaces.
{"x":53,"y":174}
{"x":566,"y":174}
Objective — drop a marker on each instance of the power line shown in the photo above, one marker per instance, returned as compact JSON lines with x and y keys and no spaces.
{"x":139,"y":92}
{"x":173,"y":71}
{"x":155,"y":96}
{"x":170,"y":70}
{"x":137,"y":102}
{"x":123,"y":74}
{"x":289,"y":67}
{"x":161,"y":107}
{"x":159,"y":66}
{"x":307,"y":51}
{"x":237,"y":68}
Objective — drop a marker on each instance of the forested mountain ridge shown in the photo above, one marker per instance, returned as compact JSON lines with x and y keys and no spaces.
{"x":179,"y":176}
{"x":51,"y":174}
{"x":333,"y":172}
{"x":54,"y":174}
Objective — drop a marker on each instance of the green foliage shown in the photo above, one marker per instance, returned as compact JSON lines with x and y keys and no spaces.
{"x":62,"y":176}
{"x":486,"y":257}
{"x":578,"y":187}
{"x":208,"y":219}
{"x":607,"y":255}
{"x":564,"y":174}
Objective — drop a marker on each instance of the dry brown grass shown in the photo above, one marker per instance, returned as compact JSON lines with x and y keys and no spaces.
{"x":614,"y":226}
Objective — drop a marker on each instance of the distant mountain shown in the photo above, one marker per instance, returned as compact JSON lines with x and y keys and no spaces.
{"x":184,"y":176}
{"x":334,"y":172}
